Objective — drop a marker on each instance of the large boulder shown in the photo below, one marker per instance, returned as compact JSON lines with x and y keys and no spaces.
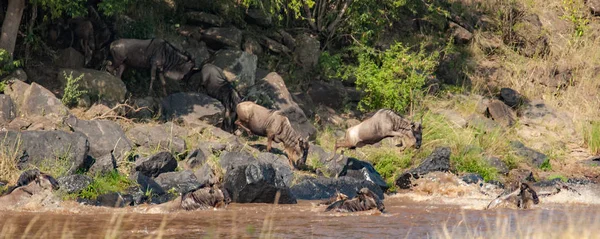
{"x":104,"y":165}
{"x":272,"y":93}
{"x":181,"y":182}
{"x":192,"y":108}
{"x":48,"y":148}
{"x":460,"y":34}
{"x":308,"y":50}
{"x":7,"y":109}
{"x":501,"y":113}
{"x":74,"y":183}
{"x":104,"y":136}
{"x":362,"y":170}
{"x":510,"y":97}
{"x":439,"y":160}
{"x":207,"y":175}
{"x":70,"y":58}
{"x":328,"y":94}
{"x":324,"y":162}
{"x":532,"y":156}
{"x":35,"y":100}
{"x":274,"y":46}
{"x":203,"y":19}
{"x":252,"y":46}
{"x":225,"y":37}
{"x":259,"y":17}
{"x":240,"y":66}
{"x":153,"y":166}
{"x":163,"y":137}
{"x":310,"y":188}
{"x":98,"y":84}
{"x":250,"y":180}
{"x":198,"y":50}
{"x":147,"y":184}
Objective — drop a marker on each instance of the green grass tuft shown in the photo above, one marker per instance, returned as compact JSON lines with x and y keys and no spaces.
{"x":111,"y":182}
{"x":591,"y":136}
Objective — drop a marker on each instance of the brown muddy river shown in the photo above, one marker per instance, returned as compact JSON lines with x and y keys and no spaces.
{"x":406,"y":217}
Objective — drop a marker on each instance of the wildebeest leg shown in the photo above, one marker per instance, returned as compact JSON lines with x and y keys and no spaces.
{"x":239,"y":123}
{"x":152,"y":77}
{"x":120,"y":70}
{"x":161,"y":75}
{"x":269,"y":142}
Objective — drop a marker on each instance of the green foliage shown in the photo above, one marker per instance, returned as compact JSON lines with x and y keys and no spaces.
{"x":7,"y":65}
{"x":394,"y":78}
{"x":591,"y":137}
{"x":72,"y":93}
{"x":330,"y":66}
{"x":114,"y":7}
{"x":58,"y":8}
{"x":574,"y":12}
{"x":111,"y":182}
{"x":388,"y":164}
{"x":546,"y":166}
{"x":59,"y":165}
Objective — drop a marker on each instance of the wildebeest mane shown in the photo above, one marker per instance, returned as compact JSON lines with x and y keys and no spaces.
{"x":173,"y":55}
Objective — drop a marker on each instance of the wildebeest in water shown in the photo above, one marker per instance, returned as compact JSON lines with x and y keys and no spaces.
{"x":365,"y":200}
{"x":156,"y":54}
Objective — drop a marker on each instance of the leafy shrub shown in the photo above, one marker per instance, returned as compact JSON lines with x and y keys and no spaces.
{"x":72,"y":93}
{"x":111,"y":182}
{"x":7,"y":65}
{"x":393,"y":78}
{"x":330,"y":65}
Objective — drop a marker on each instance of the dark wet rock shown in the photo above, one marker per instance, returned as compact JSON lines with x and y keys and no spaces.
{"x":252,"y":46}
{"x":112,"y":199}
{"x":272,"y":93}
{"x":162,"y":162}
{"x":328,"y":94}
{"x":259,"y":17}
{"x":7,"y":110}
{"x":45,"y":147}
{"x":500,"y":112}
{"x":580,"y":181}
{"x":35,"y":100}
{"x":163,"y":137}
{"x":70,"y":58}
{"x":183,"y":181}
{"x":239,"y":65}
{"x":206,"y":175}
{"x":203,"y":19}
{"x":518,"y":175}
{"x":274,"y":46}
{"x":498,"y":164}
{"x":310,"y":188}
{"x":532,"y":156}
{"x":280,"y":164}
{"x":192,"y":108}
{"x":74,"y":183}
{"x":18,"y":74}
{"x":229,"y":160}
{"x":439,"y":160}
{"x":547,"y":182}
{"x":510,"y":97}
{"x":198,"y":51}
{"x":104,"y":164}
{"x":104,"y":136}
{"x":472,"y":178}
{"x":362,"y":170}
{"x":257,"y":182}
{"x":198,"y":157}
{"x":147,"y":184}
{"x":328,"y":167}
{"x":460,"y":34}
{"x":99,"y":84}
{"x":222,"y":37}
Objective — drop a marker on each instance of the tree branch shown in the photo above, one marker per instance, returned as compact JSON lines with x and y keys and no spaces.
{"x":337,"y":20}
{"x":311,"y":20}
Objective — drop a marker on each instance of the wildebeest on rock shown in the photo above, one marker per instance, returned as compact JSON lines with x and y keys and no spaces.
{"x":365,"y":200}
{"x":156,"y":54}
{"x":383,"y":124}
{"x":261,"y":121}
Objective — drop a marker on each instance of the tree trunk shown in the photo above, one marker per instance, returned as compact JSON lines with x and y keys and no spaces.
{"x":10,"y":27}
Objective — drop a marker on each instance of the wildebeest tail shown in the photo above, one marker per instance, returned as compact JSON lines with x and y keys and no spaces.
{"x":230,"y":99}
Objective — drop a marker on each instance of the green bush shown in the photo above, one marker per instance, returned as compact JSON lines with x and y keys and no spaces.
{"x":7,"y":65}
{"x":111,"y":182}
{"x":72,"y":93}
{"x":393,"y":78}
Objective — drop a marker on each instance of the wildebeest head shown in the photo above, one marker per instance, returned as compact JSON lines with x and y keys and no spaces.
{"x":417,"y":131}
{"x":183,"y":65}
{"x":301,"y":150}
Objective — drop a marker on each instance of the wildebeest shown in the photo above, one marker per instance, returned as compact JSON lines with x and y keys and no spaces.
{"x":216,"y":85}
{"x":34,"y":175}
{"x":365,"y":200}
{"x":156,"y":54}
{"x":521,"y":198}
{"x":337,"y":197}
{"x":261,"y":121}
{"x":205,"y":197}
{"x":383,"y":124}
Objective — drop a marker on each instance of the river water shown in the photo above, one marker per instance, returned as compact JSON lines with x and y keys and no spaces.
{"x":408,"y":215}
